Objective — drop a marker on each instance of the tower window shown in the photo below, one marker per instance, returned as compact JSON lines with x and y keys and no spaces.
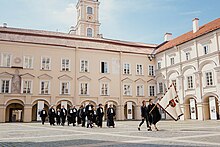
{"x":89,"y":10}
{"x":89,"y":32}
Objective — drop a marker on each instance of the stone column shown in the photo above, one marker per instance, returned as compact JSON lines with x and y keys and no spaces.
{"x":27,"y":114}
{"x":180,"y":89}
{"x":200,"y":111}
{"x":183,"y":107}
{"x":198,"y":85}
{"x":137,"y":112}
{"x":217,"y":71}
{"x":2,"y":113}
{"x":120,"y":112}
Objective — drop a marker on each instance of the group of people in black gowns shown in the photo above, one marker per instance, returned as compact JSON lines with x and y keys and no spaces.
{"x":73,"y":116}
{"x":150,"y":114}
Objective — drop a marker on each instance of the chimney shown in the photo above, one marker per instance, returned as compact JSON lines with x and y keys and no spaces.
{"x":168,"y":37}
{"x":195,"y":25}
{"x":4,"y":25}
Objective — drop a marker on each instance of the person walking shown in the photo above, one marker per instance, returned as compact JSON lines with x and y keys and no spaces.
{"x":110,"y":116}
{"x":52,"y":115}
{"x":154,"y":114}
{"x":63,"y":114}
{"x":144,"y":116}
{"x":43,"y":115}
{"x":100,"y":114}
{"x":58,"y":116}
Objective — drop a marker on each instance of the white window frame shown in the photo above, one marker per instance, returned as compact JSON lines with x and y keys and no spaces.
{"x":172,"y":60}
{"x":188,"y":56}
{"x":68,"y":87}
{"x":139,"y":71}
{"x":104,"y":67}
{"x":22,"y":86}
{"x":159,"y":65}
{"x":87,"y":10}
{"x":108,"y":88}
{"x":85,"y":68}
{"x":89,"y":34}
{"x":159,"y":88}
{"x":44,"y":89}
{"x":30,"y":58}
{"x":87,"y":94}
{"x":205,"y":49}
{"x":154,"y":92}
{"x":151,"y":72}
{"x":212,"y":80}
{"x":127,"y":71}
{"x":65,"y":66}
{"x":2,"y":59}
{"x":45,"y":64}
{"x":9,"y":88}
{"x":190,"y":84}
{"x":125,"y":91}
{"x":140,"y":93}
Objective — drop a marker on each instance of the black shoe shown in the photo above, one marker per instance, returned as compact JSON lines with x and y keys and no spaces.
{"x":149,"y":129}
{"x":139,"y":128}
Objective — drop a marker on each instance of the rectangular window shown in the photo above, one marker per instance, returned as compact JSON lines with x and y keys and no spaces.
{"x":159,"y":65}
{"x":140,"y":90}
{"x":105,"y":89}
{"x":6,"y":60}
{"x":65,"y":65}
{"x":172,"y":62}
{"x":27,"y":86}
{"x":28,"y":62}
{"x":139,"y":69}
{"x":127,"y":69}
{"x":160,"y":87}
{"x":84,"y":66}
{"x":151,"y":70}
{"x":65,"y":88}
{"x":45,"y":63}
{"x":188,"y":57}
{"x":127,"y":90}
{"x":174,"y":83}
{"x":209,"y":79}
{"x":190,"y":82}
{"x":5,"y":86}
{"x":84,"y":89}
{"x":206,"y":49}
{"x":104,"y":67}
{"x":45,"y":85}
{"x":151,"y":90}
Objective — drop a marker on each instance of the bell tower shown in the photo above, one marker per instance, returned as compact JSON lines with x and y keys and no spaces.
{"x":87,"y":18}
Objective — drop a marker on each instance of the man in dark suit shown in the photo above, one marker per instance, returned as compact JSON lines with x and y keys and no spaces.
{"x":63,"y":114}
{"x":43,"y":115}
{"x":52,"y":115}
{"x":100,"y":114}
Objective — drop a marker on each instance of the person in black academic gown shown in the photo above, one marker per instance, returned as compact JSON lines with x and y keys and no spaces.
{"x":89,"y":114}
{"x":52,"y":115}
{"x":110,"y":116}
{"x":83,"y":116}
{"x":100,"y":114}
{"x":58,"y":116}
{"x":144,"y":115}
{"x":79,"y":118}
{"x":43,"y":115}
{"x":70,"y":115}
{"x":63,"y":114}
{"x":74,"y":115}
{"x":154,"y":114}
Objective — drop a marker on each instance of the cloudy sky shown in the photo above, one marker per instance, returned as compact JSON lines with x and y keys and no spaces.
{"x":132,"y":20}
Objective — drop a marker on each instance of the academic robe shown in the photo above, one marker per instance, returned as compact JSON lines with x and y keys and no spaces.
{"x":155,"y":115}
{"x":100,"y":114}
{"x":43,"y":115}
{"x":63,"y":114}
{"x":110,"y":117}
{"x":58,"y":117}
{"x":83,"y":116}
{"x":52,"y":115}
{"x":79,"y":118}
{"x":89,"y":114}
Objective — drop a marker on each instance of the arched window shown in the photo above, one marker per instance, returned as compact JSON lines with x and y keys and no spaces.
{"x":89,"y":10}
{"x":89,"y":32}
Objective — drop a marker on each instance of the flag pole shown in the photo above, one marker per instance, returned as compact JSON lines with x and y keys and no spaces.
{"x":153,"y":108}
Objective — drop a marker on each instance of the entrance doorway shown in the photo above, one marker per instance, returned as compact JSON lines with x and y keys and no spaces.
{"x":14,"y":112}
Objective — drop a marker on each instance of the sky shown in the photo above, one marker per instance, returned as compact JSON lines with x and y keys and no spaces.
{"x":130,"y":20}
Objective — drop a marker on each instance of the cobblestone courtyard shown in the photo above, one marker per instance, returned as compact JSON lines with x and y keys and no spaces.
{"x":182,"y":133}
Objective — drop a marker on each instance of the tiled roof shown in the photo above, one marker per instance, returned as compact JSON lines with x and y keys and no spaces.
{"x":209,"y":27}
{"x":70,"y":40}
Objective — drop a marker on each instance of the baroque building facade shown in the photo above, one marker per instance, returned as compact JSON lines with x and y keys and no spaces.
{"x":42,"y":68}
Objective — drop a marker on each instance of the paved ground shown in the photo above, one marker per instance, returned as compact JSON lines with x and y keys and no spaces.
{"x":182,"y":133}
